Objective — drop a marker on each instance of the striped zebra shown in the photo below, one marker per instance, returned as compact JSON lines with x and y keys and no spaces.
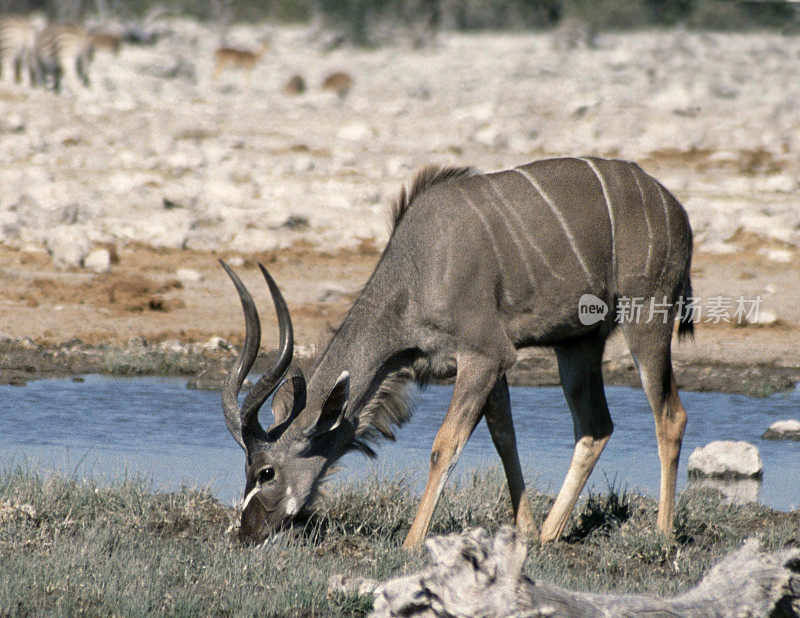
{"x":58,"y":46}
{"x":17,"y":37}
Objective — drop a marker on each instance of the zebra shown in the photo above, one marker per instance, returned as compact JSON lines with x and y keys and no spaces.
{"x":17,"y":37}
{"x":60,"y":45}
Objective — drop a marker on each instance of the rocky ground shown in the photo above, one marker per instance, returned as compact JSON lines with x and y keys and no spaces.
{"x":116,"y":202}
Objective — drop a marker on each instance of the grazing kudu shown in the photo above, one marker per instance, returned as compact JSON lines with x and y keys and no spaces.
{"x":477,"y":267}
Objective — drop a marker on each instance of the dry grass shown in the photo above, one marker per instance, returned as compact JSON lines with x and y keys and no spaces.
{"x":72,"y":546}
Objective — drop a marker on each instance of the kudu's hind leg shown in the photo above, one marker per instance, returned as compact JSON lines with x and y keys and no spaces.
{"x":497,"y":413}
{"x":650,"y":347}
{"x":476,"y":376}
{"x":579,"y":366}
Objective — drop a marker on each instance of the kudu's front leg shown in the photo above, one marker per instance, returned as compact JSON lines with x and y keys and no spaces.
{"x":497,"y":413}
{"x":476,"y":376}
{"x":579,"y":366}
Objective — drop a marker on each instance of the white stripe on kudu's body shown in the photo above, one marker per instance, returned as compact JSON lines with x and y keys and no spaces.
{"x":477,"y":267}
{"x":520,"y":225}
{"x":498,"y":255}
{"x":607,"y":200}
{"x":557,"y":213}
{"x":512,"y":231}
{"x":649,"y":258}
{"x":660,"y":190}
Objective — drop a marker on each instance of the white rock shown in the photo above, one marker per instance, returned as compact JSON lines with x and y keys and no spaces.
{"x":235,"y":261}
{"x":98,"y":261}
{"x":67,"y":136}
{"x":218,"y":343}
{"x":492,"y":136}
{"x":720,"y":248}
{"x":305,"y":350}
{"x":725,"y":458}
{"x":783,"y":430}
{"x":188,"y":275}
{"x":13,"y":123}
{"x":302,"y":164}
{"x":779,"y":183}
{"x":356,"y":132}
{"x":332,"y":293}
{"x":782,"y":256}
{"x":396,"y":166}
{"x":353,"y":585}
{"x":68,"y":245}
{"x":764,"y":317}
{"x":480,"y":113}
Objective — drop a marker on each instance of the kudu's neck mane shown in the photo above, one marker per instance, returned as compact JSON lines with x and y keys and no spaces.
{"x":369,"y":345}
{"x":424,"y":180}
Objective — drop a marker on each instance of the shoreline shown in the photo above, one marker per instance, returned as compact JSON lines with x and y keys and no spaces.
{"x":204,"y":366}
{"x":158,"y":311}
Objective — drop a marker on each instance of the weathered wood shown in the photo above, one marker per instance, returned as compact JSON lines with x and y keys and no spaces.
{"x":475,"y":575}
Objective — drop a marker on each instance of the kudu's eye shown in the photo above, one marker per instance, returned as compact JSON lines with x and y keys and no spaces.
{"x":266,"y":475}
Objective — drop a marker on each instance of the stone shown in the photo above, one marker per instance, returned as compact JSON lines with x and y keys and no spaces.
{"x":492,"y":136}
{"x":13,"y":123}
{"x":218,"y":343}
{"x":356,"y":132}
{"x":98,"y":261}
{"x":332,"y":293}
{"x":68,"y":245}
{"x":351,"y":585}
{"x":12,"y":511}
{"x":726,"y":459}
{"x":764,"y":317}
{"x":779,"y":183}
{"x":783,"y":430}
{"x":781,"y":256}
{"x":720,"y":248}
{"x":188,"y":275}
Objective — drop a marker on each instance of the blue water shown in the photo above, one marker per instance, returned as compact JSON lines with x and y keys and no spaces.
{"x":157,"y":428}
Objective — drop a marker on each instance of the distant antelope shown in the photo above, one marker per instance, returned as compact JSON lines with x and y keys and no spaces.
{"x":237,"y":58}
{"x":339,"y":83}
{"x":59,"y":46}
{"x":17,"y":37}
{"x":295,"y":85}
{"x":477,"y":267}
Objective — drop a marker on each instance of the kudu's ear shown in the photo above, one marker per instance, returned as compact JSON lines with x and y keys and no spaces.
{"x":335,"y":406}
{"x":289,"y":400}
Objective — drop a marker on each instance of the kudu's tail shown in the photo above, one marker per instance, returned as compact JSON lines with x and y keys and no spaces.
{"x":685,"y":311}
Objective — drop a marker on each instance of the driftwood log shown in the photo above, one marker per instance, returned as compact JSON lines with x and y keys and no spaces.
{"x":475,"y":575}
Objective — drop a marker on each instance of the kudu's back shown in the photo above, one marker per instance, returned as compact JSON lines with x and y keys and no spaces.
{"x":518,"y":249}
